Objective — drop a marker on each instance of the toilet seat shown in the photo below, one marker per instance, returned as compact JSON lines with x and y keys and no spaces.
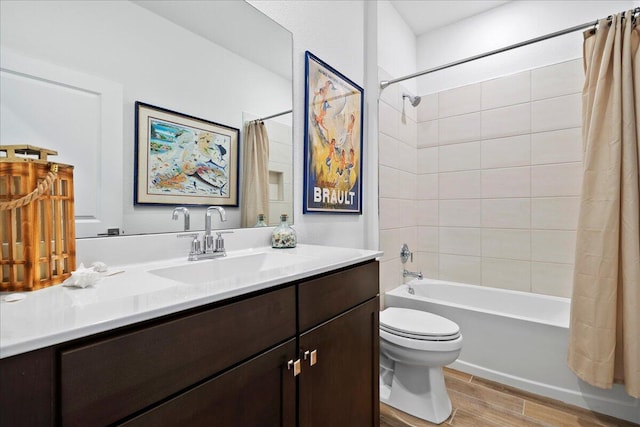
{"x":418,"y":325}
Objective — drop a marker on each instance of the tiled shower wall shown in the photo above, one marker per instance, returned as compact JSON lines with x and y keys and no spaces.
{"x":498,"y":176}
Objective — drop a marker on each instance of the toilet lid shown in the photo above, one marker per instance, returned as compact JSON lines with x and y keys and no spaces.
{"x":417,"y":324}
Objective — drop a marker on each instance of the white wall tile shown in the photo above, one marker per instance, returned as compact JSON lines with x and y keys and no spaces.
{"x":557,"y":146}
{"x":506,"y":152}
{"x":428,"y":160}
{"x":460,"y":213}
{"x":459,"y":185}
{"x":506,"y":121}
{"x":490,"y":192}
{"x":406,"y":186}
{"x":562,"y":179}
{"x":553,"y":246}
{"x":428,"y":133}
{"x":407,"y":158}
{"x":388,"y":181}
{"x":506,"y":243}
{"x":388,"y":241}
{"x":556,"y":80}
{"x":428,"y":264}
{"x":427,"y":239}
{"x":408,"y":213}
{"x":389,"y":213}
{"x":461,"y":100}
{"x":556,"y":213}
{"x":460,"y":241}
{"x":459,"y":157}
{"x":388,"y":152}
{"x":388,"y":120}
{"x":552,"y":279}
{"x":428,"y":108}
{"x":408,"y":131}
{"x":460,"y":268}
{"x":464,"y":128}
{"x":428,"y":186}
{"x":427,"y":212}
{"x":562,"y":112}
{"x":506,"y":274}
{"x":508,"y":90}
{"x":508,"y":182}
{"x":506,"y":213}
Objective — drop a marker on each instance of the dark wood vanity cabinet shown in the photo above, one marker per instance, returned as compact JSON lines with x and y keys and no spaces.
{"x":230,"y":364}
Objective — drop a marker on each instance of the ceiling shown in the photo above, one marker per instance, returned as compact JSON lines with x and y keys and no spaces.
{"x":426,"y":15}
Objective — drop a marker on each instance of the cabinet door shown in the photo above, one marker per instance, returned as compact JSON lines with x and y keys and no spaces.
{"x":341,"y":388}
{"x":108,"y":379}
{"x":260,"y":393}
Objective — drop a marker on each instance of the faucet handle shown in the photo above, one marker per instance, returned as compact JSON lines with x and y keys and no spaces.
{"x":195,"y":243}
{"x":405,"y":254}
{"x":219,"y":243}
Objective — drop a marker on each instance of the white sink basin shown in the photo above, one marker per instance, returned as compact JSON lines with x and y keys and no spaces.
{"x":206,"y":271}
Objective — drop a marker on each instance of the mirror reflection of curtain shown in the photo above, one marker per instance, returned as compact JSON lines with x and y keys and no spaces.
{"x":605,"y":321}
{"x":255,"y":180}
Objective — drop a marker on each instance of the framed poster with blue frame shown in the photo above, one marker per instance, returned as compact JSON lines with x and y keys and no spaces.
{"x":333,"y":141}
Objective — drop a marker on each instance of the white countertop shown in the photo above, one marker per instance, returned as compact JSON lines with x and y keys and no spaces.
{"x":57,"y":314}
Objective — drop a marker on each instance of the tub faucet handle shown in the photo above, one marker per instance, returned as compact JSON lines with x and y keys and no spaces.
{"x":405,"y":253}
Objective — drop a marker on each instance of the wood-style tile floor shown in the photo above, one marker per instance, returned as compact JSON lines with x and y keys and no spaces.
{"x":481,"y":403}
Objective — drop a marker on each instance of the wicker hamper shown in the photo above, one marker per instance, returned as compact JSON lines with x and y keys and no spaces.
{"x":37,"y":226}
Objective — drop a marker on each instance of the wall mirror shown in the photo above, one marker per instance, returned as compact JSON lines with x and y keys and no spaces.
{"x":71,"y":73}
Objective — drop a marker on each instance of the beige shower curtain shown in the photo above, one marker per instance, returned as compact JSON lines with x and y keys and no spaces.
{"x":604,"y":344}
{"x":255,"y":177}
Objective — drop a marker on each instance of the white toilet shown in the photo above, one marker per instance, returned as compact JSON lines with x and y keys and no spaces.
{"x":414,"y":346}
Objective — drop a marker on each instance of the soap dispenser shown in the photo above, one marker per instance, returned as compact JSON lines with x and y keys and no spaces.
{"x":283,"y":235}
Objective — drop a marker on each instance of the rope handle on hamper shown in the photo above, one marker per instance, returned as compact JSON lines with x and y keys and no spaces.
{"x":41,"y":189}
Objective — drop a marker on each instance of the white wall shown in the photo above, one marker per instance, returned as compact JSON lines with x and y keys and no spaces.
{"x":334,"y":32}
{"x":396,"y":45}
{"x":511,"y":23}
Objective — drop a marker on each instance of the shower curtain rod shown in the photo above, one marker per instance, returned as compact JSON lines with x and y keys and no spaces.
{"x":385,"y":83}
{"x":273,"y":116}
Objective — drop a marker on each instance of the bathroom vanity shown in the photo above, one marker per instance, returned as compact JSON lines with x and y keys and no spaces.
{"x":296,"y":346}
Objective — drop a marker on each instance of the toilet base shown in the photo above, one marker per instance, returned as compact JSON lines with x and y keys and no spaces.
{"x":419,"y":391}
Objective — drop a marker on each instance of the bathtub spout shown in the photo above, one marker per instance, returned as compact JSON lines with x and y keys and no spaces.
{"x":407,"y":273}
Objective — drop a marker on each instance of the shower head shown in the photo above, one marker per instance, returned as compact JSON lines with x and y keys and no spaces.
{"x":414,"y":100}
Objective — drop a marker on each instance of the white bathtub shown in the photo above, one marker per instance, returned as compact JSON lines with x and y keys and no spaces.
{"x":515,"y":338}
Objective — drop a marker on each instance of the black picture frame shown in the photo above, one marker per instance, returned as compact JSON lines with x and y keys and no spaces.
{"x":184,"y":160}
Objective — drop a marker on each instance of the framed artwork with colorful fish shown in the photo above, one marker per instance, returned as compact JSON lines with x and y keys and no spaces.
{"x":184,"y":160}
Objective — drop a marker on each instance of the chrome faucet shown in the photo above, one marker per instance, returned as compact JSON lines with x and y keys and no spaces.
{"x":407,"y":273}
{"x":185,"y":211}
{"x":210,"y":247}
{"x":207,"y":239}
